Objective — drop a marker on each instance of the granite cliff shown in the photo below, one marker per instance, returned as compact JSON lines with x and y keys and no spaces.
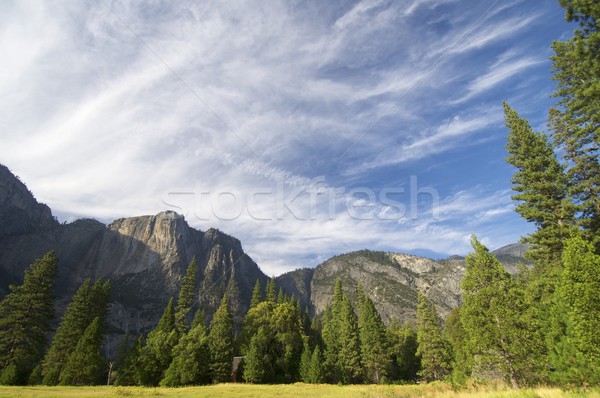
{"x":144,"y":257}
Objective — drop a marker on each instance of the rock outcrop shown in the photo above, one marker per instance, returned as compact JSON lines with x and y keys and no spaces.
{"x":392,"y":280}
{"x":144,"y":257}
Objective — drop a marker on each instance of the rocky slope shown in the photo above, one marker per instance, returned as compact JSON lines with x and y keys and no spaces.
{"x":144,"y":257}
{"x":392,"y":280}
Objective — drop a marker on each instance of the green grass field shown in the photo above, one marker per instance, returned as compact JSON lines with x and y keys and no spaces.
{"x":298,"y":390}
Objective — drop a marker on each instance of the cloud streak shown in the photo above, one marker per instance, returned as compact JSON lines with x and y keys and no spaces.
{"x":108,"y":111}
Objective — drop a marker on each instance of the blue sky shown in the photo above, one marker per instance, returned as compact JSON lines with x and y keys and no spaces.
{"x":305,"y":129}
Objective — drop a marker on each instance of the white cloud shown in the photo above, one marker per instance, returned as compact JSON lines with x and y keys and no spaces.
{"x":106,"y":113}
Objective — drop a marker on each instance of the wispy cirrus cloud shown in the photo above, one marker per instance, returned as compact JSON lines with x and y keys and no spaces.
{"x":109,"y":109}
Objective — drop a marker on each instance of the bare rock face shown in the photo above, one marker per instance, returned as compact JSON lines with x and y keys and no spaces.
{"x":144,"y":257}
{"x":20,"y":213}
{"x":391,"y":280}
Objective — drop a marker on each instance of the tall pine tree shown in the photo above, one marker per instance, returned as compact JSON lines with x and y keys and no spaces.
{"x":157,"y":353}
{"x":373,"y":342}
{"x":25,"y":314}
{"x":576,"y":354}
{"x":187,"y":296}
{"x":90,"y":301}
{"x":575,"y":121}
{"x":220,"y":342}
{"x":86,"y":365}
{"x":434,"y":351}
{"x":496,"y":321}
{"x":191,"y":358}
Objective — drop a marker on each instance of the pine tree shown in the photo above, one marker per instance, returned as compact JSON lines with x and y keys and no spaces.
{"x":280,"y":296}
{"x":575,"y":122}
{"x":403,"y":348}
{"x":220,"y":342}
{"x":259,"y":366}
{"x":316,"y":366}
{"x":25,"y":314}
{"x":305,"y":363}
{"x":373,"y":343}
{"x":191,"y":358}
{"x":576,"y":355}
{"x":454,"y":333}
{"x":157,"y":353}
{"x":85,"y":365}
{"x":432,"y":348}
{"x":541,"y":186}
{"x":331,"y":336}
{"x":256,"y":295}
{"x":287,"y":341}
{"x":128,"y":374}
{"x":90,"y":301}
{"x":349,"y":356}
{"x":496,"y":320}
{"x":187,"y":296}
{"x":270,"y":293}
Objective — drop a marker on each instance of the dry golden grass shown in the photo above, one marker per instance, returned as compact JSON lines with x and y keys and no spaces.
{"x":298,"y":390}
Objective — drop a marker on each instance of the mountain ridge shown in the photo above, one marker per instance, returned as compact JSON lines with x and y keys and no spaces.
{"x":146,"y":256}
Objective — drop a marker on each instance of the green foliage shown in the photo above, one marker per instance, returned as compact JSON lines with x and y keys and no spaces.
{"x":90,"y":301}
{"x":315,"y":374}
{"x":576,"y":355}
{"x":191,"y":358}
{"x":220,"y":342}
{"x":256,"y":295}
{"x":85,"y":365}
{"x":541,"y":186}
{"x":497,"y":321}
{"x":454,"y":333}
{"x":373,"y":342}
{"x":270,"y":294}
{"x":403,"y":349}
{"x":128,"y":374}
{"x":157,"y":354}
{"x":434,"y":351}
{"x":305,"y":358}
{"x":187,"y":296}
{"x":575,"y":122}
{"x":25,"y":314}
{"x":272,"y":336}
{"x":259,"y":366}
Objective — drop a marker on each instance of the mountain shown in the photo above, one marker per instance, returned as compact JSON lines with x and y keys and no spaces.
{"x":392,"y":280}
{"x":144,"y":257}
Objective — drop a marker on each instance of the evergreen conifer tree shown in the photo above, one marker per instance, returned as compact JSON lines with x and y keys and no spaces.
{"x":90,"y":301}
{"x":432,"y":348}
{"x":349,"y":356}
{"x":256,"y":295}
{"x":496,"y":320}
{"x":576,"y":354}
{"x":85,"y":365}
{"x":25,"y":314}
{"x":157,"y":353}
{"x":187,"y":296}
{"x":316,"y":366}
{"x":373,"y":342}
{"x":220,"y":342}
{"x":191,"y":360}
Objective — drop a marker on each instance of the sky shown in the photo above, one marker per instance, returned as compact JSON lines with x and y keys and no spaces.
{"x":305,"y":129}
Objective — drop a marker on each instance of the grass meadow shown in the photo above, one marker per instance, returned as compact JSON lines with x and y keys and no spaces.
{"x":298,"y":390}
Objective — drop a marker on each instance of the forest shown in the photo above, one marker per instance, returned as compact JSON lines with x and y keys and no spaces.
{"x":539,"y":327}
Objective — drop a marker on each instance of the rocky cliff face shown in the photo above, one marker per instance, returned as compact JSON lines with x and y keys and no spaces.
{"x":144,"y":257}
{"x":392,"y":281}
